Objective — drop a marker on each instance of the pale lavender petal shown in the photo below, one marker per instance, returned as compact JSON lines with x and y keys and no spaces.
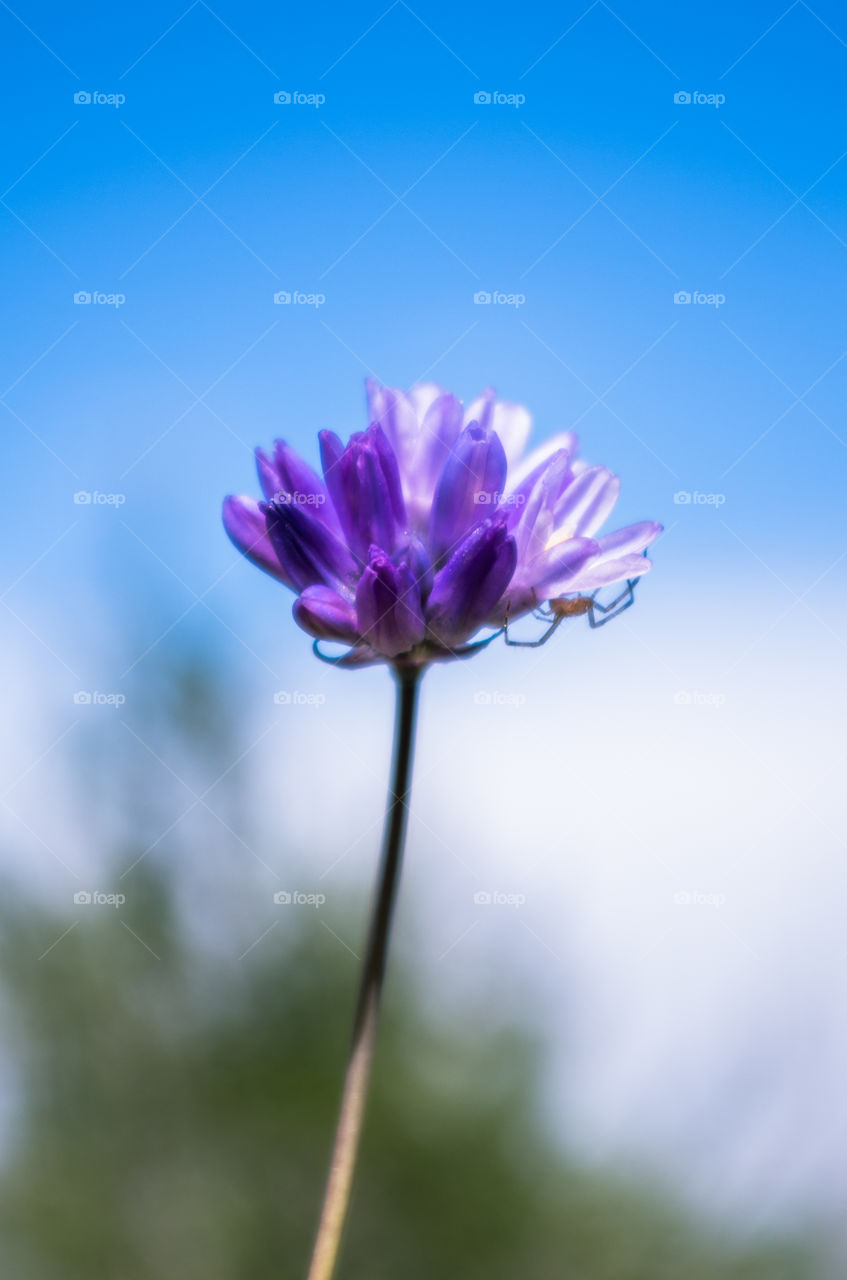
{"x":530,"y":514}
{"x":481,"y":410}
{"x":395,"y":413}
{"x":422,"y":396}
{"x":532,"y":584}
{"x":518,"y":496}
{"x":530,"y":467}
{"x":563,"y":558}
{"x":440,"y":428}
{"x":513,"y":423}
{"x":587,"y":502}
{"x":635,"y":537}
{"x":599,"y":573}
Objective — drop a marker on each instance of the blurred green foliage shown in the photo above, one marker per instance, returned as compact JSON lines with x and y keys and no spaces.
{"x":176,"y":1107}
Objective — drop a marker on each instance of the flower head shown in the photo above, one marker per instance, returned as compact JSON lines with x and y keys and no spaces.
{"x":431,"y":524}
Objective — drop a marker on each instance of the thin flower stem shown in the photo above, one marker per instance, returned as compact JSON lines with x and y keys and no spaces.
{"x":365,"y":1021}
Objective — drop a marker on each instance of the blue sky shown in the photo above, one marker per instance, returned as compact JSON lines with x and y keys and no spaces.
{"x":594,"y":200}
{"x":701,"y":197}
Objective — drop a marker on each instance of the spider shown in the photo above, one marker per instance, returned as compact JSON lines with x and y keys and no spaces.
{"x":561,"y":608}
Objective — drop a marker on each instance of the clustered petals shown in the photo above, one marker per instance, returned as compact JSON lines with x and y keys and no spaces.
{"x":431,"y":524}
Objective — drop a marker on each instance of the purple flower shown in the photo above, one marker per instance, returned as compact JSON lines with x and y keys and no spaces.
{"x":431,"y":524}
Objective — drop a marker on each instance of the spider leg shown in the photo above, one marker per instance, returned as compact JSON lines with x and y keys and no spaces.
{"x":614,"y":607}
{"x":466,"y":650}
{"x":358,"y":656}
{"x":531,"y":644}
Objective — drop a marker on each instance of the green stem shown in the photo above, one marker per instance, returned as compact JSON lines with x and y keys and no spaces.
{"x":366,"y":1019}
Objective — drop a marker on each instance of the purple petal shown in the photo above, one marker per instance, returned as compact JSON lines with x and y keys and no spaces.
{"x":513,"y":423}
{"x":323,"y":613}
{"x":529,"y":468}
{"x":530,"y":514}
{"x":564,"y":558}
{"x":587,"y":501}
{"x":472,"y":581}
{"x":635,"y":537}
{"x":440,"y":428}
{"x":415,"y":555}
{"x":245,"y":523}
{"x":286,"y":474}
{"x":388,"y":605}
{"x":531,"y":584}
{"x":481,"y":410}
{"x":396,"y":414}
{"x":472,"y":480}
{"x":599,"y":573}
{"x":422,"y":396}
{"x":309,"y":552}
{"x":364,"y":484}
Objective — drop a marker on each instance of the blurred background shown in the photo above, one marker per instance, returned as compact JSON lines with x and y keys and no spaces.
{"x":614,"y":1041}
